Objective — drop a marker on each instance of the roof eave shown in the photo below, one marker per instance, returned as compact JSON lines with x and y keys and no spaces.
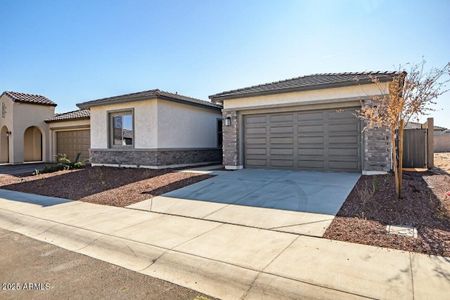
{"x":88,"y":105}
{"x":219,"y":97}
{"x":34,"y":103}
{"x":204,"y":105}
{"x":68,"y":119}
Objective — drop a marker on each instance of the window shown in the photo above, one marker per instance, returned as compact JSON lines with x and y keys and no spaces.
{"x":121,"y":129}
{"x":219,"y":133}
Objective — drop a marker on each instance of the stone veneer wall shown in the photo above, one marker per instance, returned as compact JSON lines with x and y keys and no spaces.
{"x":377,"y":149}
{"x":231,"y":140}
{"x":154,"y":157}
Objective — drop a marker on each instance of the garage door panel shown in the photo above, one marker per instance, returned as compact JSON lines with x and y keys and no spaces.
{"x":343,"y":151}
{"x":311,"y":151}
{"x":282,"y":151}
{"x":255,"y":120}
{"x":318,"y":140}
{"x":73,"y":142}
{"x":311,"y":146}
{"x":256,"y":162}
{"x":340,"y":114}
{"x":285,"y":118}
{"x":289,"y":130}
{"x":256,"y":141}
{"x":311,"y":128}
{"x":307,"y":164}
{"x":256,"y":130}
{"x":310,"y":116}
{"x":341,"y":165}
{"x":256,"y":157}
{"x":343,"y":127}
{"x":281,"y":163}
{"x":281,"y":140}
{"x":313,"y":157}
{"x":343,"y":139}
{"x":256,"y":151}
{"x":311,"y":140}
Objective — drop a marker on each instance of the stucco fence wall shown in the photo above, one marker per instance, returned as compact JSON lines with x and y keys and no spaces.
{"x":442,"y":142}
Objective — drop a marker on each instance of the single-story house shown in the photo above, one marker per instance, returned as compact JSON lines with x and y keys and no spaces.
{"x":307,"y":122}
{"x":154,"y":129}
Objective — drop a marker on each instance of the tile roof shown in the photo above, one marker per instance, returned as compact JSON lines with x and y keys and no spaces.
{"x":309,"y":82}
{"x":144,"y":95}
{"x":71,"y":115}
{"x":29,"y":98}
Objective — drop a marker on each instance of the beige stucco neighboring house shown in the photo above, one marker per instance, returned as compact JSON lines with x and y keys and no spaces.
{"x":24,"y":135}
{"x":30,"y":131}
{"x":154,"y":129}
{"x":307,"y":122}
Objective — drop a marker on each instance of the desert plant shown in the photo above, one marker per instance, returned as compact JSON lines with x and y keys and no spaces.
{"x":63,"y":163}
{"x":411,"y":94}
{"x":365,"y":192}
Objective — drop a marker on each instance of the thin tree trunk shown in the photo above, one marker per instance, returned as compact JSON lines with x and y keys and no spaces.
{"x":394,"y":163}
{"x":400,"y":157}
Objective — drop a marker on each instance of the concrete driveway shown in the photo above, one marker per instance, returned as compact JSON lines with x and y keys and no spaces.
{"x":291,"y":201}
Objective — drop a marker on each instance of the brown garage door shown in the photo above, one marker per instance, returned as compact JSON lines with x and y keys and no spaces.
{"x":73,"y":142}
{"x":325,"y":140}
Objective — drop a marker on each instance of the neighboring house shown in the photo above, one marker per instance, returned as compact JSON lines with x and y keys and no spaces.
{"x":70,"y":134}
{"x":31,"y":132}
{"x":417,"y":125}
{"x":24,"y":135}
{"x":154,"y":129}
{"x":305,"y":123}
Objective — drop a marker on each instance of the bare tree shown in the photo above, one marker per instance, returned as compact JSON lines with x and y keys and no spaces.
{"x":411,"y":94}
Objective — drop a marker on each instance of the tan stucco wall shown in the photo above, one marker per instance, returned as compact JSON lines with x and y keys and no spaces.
{"x":334,"y":94}
{"x":4,"y":145}
{"x":21,"y":116}
{"x":64,"y":126}
{"x":32,"y":150}
{"x":145,"y":123}
{"x":8,"y":122}
{"x":26,"y":115}
{"x":186,"y":126}
{"x":159,"y":124}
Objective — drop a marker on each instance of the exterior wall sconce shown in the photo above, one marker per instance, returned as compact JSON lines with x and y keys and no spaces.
{"x":8,"y":133}
{"x":227,"y":121}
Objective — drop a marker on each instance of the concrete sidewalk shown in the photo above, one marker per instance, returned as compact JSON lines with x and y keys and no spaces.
{"x":223,"y":260}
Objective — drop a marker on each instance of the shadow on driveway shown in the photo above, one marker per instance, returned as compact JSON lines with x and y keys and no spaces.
{"x":304,"y":191}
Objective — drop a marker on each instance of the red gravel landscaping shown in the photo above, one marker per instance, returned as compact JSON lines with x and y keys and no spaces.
{"x":103,"y":185}
{"x":372,"y":205}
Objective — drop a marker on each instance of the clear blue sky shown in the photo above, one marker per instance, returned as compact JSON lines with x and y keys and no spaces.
{"x":71,"y":51}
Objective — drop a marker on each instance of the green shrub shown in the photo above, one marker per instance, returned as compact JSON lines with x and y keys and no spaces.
{"x":63,"y":163}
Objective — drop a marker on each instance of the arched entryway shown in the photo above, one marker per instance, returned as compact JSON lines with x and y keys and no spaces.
{"x":32,"y":144}
{"x":4,"y":145}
